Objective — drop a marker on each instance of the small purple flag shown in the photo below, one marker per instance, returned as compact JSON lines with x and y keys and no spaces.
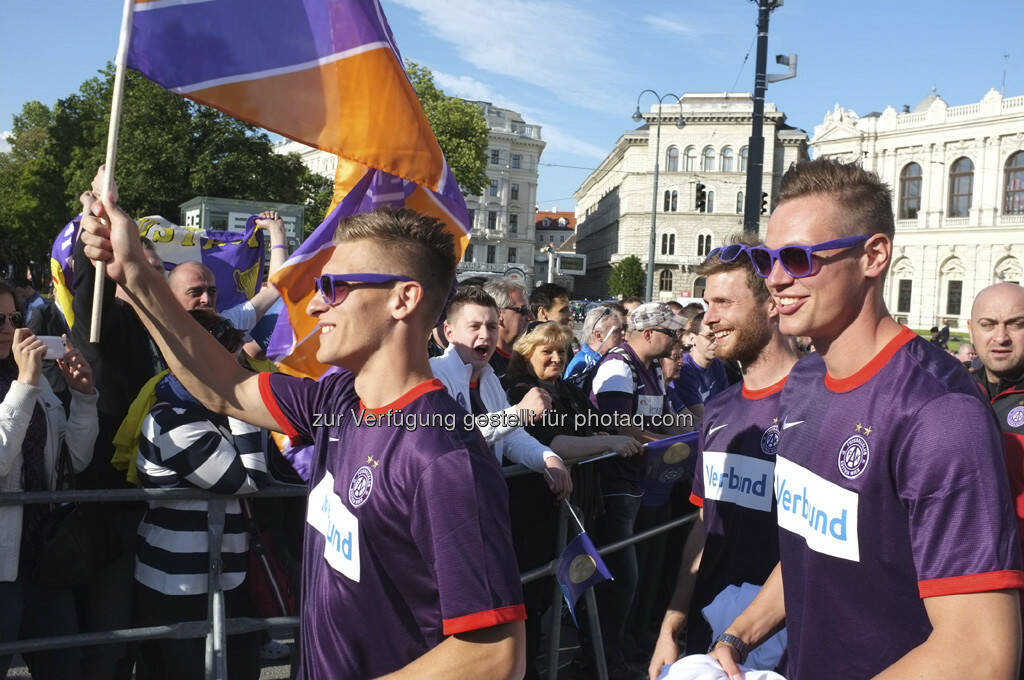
{"x":579,"y":568}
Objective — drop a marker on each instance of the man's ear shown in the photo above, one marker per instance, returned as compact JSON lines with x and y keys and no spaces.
{"x":771,"y":307}
{"x":405,"y":299}
{"x":877,"y":255}
{"x":447,"y":331}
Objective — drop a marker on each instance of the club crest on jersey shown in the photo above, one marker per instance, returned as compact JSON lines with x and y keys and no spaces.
{"x":1015,"y":418}
{"x":461,"y":399}
{"x":770,"y":439}
{"x":855,"y":453}
{"x":362,"y":484}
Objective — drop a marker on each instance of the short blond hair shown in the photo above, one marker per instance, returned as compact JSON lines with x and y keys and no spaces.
{"x":548,"y":333}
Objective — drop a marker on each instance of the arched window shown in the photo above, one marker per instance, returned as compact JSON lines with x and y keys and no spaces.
{"x":961,"y":183}
{"x":665,"y":280}
{"x":727,"y":159}
{"x":668,"y":244}
{"x":691,"y":159}
{"x":698,"y":287}
{"x":711,"y":202}
{"x":739,"y":202}
{"x":672,"y":159}
{"x":910,"y":191}
{"x":744,"y":152}
{"x":709,"y":160}
{"x":703,"y":245}
{"x":1013,"y":202}
{"x":668,"y":200}
{"x":675,"y":201}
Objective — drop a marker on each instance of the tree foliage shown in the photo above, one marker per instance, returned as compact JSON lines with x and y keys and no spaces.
{"x":460,"y":128}
{"x":627,"y":277}
{"x":170,"y":150}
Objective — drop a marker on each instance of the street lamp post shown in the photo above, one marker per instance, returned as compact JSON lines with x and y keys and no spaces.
{"x":637,"y":116}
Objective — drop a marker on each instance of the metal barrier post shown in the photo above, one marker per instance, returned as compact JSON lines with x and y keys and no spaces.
{"x":216,"y":639}
{"x":555,"y":633}
{"x":595,"y":635}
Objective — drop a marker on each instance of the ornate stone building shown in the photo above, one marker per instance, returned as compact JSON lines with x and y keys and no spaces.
{"x":957,"y":174}
{"x":613,"y":205}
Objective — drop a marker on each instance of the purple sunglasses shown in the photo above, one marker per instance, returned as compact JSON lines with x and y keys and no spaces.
{"x":334,"y":288}
{"x":796,"y":260}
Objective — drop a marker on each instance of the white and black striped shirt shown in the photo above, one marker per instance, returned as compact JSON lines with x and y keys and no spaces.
{"x":185,"y":447}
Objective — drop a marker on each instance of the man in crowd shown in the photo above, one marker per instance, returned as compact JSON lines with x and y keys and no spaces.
{"x":628,"y":384}
{"x":550,"y":302}
{"x":997,"y":330}
{"x":966,"y":354}
{"x":34,"y":302}
{"x":702,"y":375}
{"x":472,"y":332}
{"x":602,"y":330}
{"x":408,"y":527}
{"x":735,"y":541}
{"x":513,"y":316}
{"x":882,"y":573}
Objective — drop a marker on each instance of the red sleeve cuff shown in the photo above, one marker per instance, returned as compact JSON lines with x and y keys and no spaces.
{"x":491,"y":617}
{"x":972,"y":583}
{"x":275,"y":411}
{"x":697,"y":500}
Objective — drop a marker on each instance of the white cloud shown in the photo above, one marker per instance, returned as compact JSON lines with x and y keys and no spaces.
{"x":4,"y":146}
{"x":669,"y":25}
{"x":468,"y":87}
{"x":550,"y":44}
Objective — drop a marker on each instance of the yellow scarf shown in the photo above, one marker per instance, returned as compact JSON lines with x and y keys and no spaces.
{"x":126,"y":441}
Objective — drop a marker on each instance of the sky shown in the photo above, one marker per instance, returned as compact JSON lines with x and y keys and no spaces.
{"x":576,"y":67}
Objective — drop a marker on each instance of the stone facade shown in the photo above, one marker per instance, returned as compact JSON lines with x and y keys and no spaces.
{"x":613,"y":205}
{"x":957,"y":175}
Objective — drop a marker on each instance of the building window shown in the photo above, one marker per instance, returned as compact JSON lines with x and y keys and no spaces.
{"x":675,"y":201}
{"x":668,"y":244}
{"x":513,"y":223}
{"x":910,"y":191}
{"x":665,"y":280}
{"x":469,"y":253}
{"x":711,"y":202}
{"x":961,"y":182}
{"x":727,"y":159}
{"x":514,"y":192}
{"x":493,"y":191}
{"x":491,"y":252}
{"x":903,"y":299}
{"x":744,"y":152}
{"x":672,"y":159}
{"x":1013,"y":203}
{"x":495,"y":156}
{"x":472,"y":217}
{"x":512,"y":255}
{"x":954,"y":291}
{"x":691,"y":159}
{"x":517,"y":161}
{"x":668,"y":200}
{"x":492,"y":219}
{"x":739,"y":202}
{"x":703,"y":245}
{"x":709,"y":160}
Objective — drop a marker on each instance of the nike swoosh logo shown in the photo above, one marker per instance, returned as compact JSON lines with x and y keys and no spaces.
{"x":786,"y":426}
{"x":716,"y":428}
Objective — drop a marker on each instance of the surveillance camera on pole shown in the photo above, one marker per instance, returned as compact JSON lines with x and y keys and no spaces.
{"x":783,"y":60}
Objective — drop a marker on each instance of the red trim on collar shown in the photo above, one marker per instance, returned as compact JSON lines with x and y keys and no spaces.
{"x":765,"y":391}
{"x":500,"y":352}
{"x":474,"y":384}
{"x":868,"y":370}
{"x":406,"y":399}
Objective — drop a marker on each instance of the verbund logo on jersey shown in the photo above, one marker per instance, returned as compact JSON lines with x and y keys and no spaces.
{"x":732,"y":478}
{"x":825,"y":514}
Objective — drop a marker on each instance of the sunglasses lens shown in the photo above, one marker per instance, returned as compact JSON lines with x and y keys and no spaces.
{"x":762,"y":261}
{"x":730,"y":253}
{"x":796,"y":261}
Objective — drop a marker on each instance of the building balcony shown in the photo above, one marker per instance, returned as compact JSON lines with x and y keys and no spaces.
{"x":489,"y":267}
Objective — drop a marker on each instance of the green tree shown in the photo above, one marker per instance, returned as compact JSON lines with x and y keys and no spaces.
{"x":460,"y":128}
{"x":627,"y":277}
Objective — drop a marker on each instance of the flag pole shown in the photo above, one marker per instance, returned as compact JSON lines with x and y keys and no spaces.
{"x":108,"y":177}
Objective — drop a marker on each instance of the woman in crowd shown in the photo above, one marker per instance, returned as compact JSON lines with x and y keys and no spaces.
{"x":33,"y":428}
{"x":183,"y":444}
{"x":538,"y":360}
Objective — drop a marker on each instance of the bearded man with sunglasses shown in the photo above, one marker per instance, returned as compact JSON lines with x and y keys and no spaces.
{"x":408,"y":567}
{"x":897,"y":540}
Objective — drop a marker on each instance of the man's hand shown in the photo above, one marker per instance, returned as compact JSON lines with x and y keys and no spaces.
{"x":271,"y":221}
{"x":116,"y":242}
{"x":536,"y":401}
{"x":87,"y":199}
{"x":666,"y":652}
{"x":728,"y":658}
{"x":28,"y":351}
{"x":623,"y":445}
{"x":558,"y":479}
{"x":97,"y":184}
{"x":76,"y":369}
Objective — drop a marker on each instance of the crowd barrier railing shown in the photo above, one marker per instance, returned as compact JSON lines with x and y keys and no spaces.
{"x":217,"y":626}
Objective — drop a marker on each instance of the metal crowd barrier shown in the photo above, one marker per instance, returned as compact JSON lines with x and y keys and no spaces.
{"x":216,"y":627}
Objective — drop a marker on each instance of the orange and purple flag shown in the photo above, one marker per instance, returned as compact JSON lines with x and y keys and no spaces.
{"x":323,"y":72}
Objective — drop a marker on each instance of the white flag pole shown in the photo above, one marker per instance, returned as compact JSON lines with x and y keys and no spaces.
{"x":108,"y":177}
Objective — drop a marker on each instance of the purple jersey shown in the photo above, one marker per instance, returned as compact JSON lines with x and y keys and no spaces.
{"x":733,"y":483}
{"x":891,"y":487}
{"x":407,"y":534}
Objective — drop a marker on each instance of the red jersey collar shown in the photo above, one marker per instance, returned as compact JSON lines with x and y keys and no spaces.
{"x":406,"y":399}
{"x":868,"y":370}
{"x":765,"y":391}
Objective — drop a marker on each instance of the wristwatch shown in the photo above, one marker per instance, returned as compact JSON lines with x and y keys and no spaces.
{"x":739,"y":645}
